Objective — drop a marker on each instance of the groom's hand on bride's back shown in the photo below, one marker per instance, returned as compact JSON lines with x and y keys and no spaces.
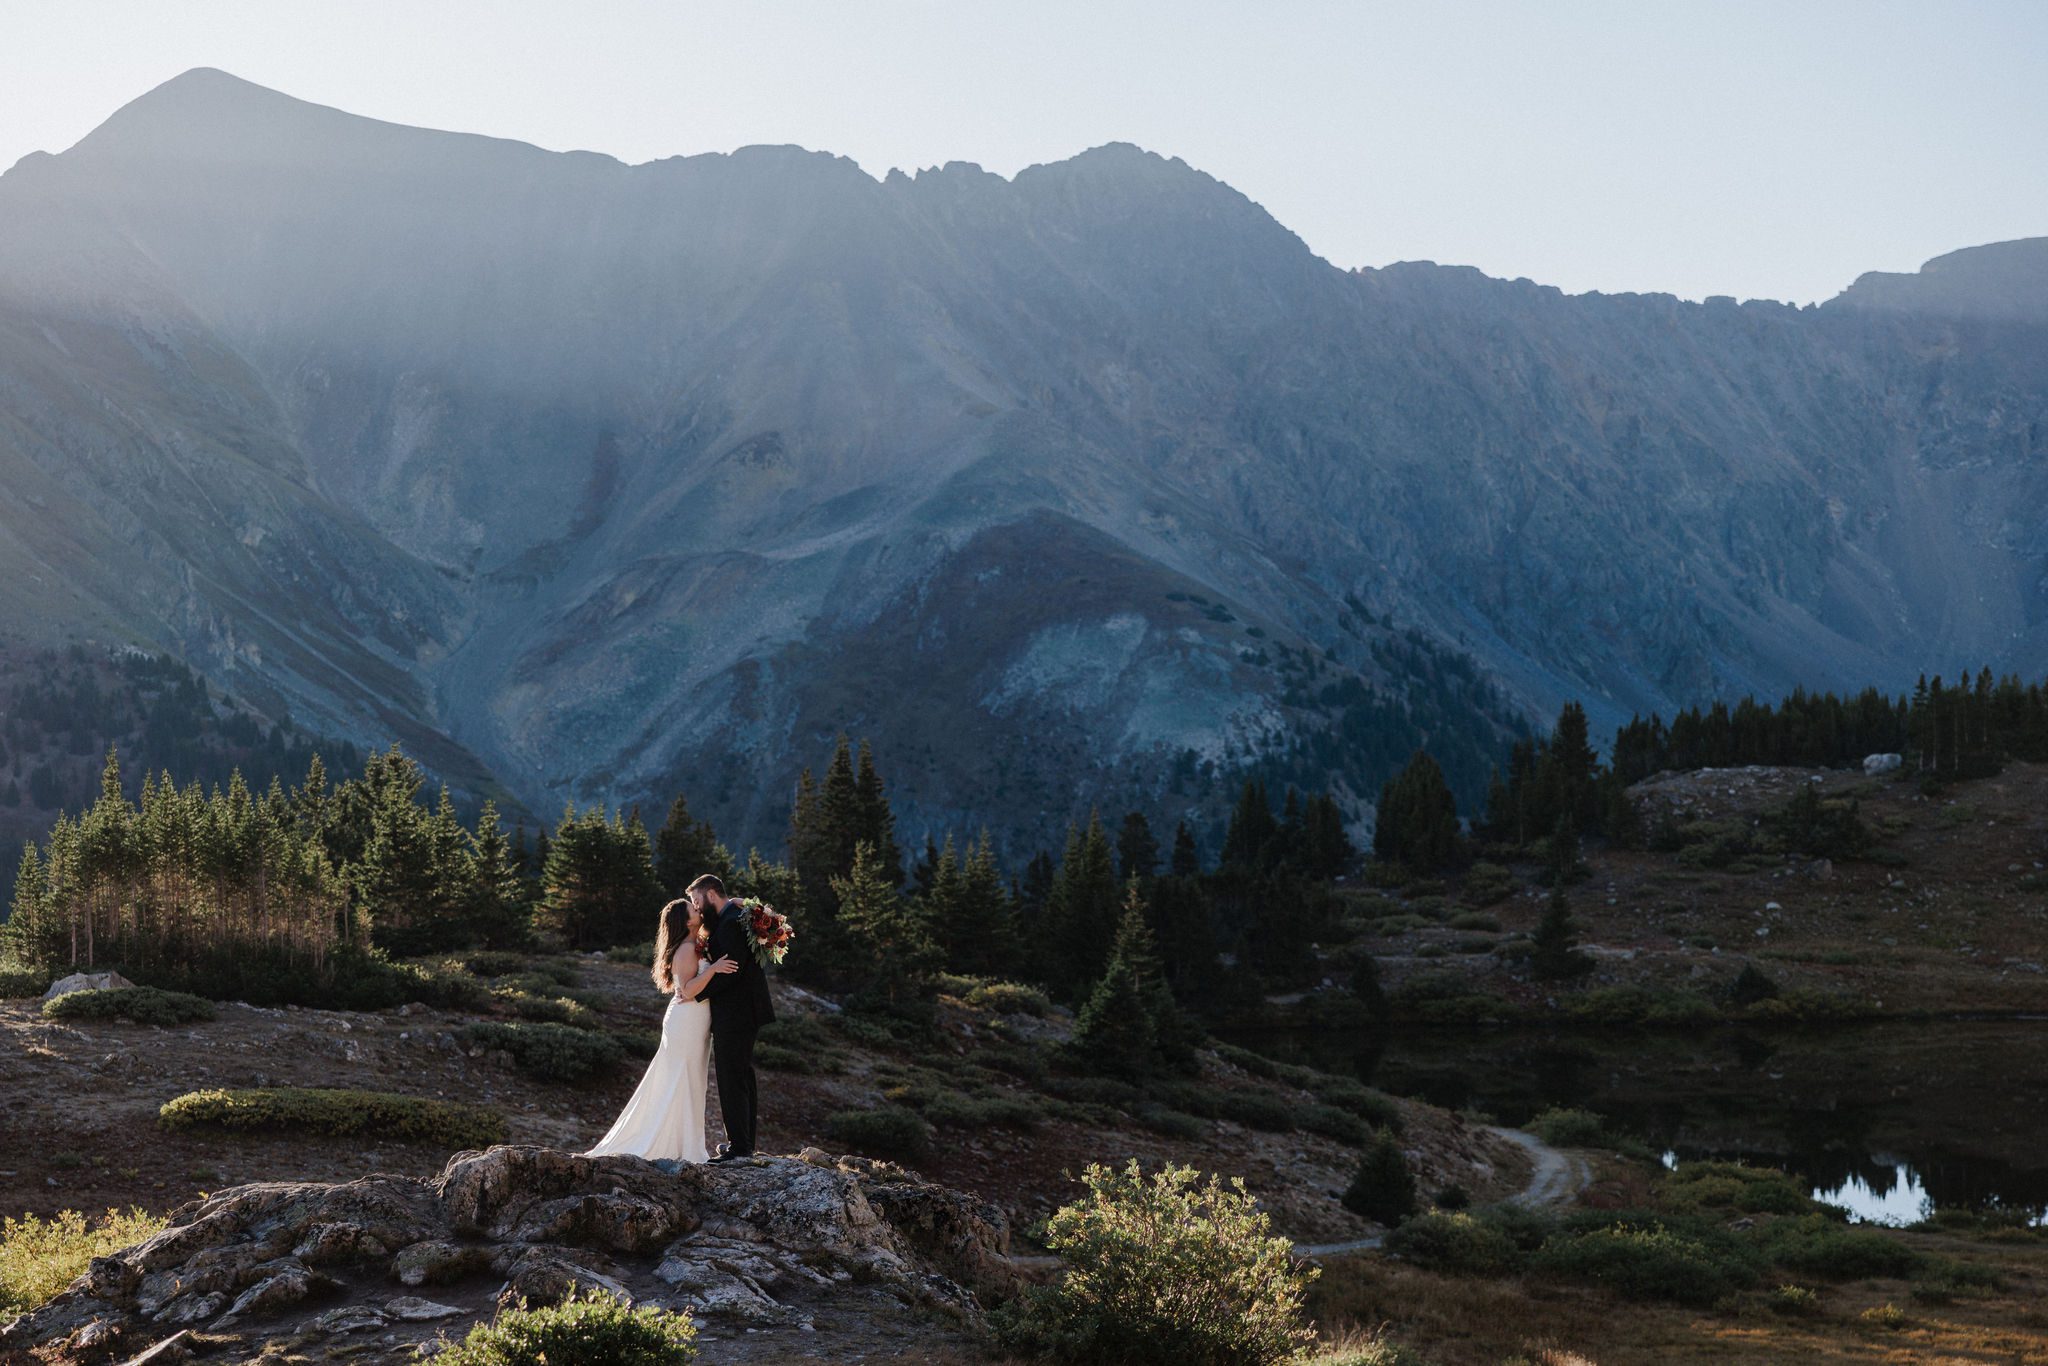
{"x":725,"y":965}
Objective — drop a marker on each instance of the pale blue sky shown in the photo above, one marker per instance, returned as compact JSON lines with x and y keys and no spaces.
{"x":1758,"y":149}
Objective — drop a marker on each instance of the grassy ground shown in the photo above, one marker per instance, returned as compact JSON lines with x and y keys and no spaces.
{"x":1945,"y":1311}
{"x":1947,"y":913}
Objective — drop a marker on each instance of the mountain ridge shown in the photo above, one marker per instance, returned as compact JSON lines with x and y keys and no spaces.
{"x":657,"y":451}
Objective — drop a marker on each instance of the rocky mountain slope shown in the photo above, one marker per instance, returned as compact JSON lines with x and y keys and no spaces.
{"x":1079,"y":486}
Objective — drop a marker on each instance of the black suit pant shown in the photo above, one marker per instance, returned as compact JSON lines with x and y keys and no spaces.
{"x":732,"y":1057}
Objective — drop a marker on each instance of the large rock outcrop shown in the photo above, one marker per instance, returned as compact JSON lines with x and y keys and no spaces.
{"x":768,"y":1241}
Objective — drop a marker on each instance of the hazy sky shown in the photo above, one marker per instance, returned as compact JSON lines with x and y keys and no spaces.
{"x":1758,"y":149}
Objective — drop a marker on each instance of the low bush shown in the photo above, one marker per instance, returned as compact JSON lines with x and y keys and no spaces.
{"x":1818,"y":1246}
{"x":142,"y":1005}
{"x":338,"y":1114}
{"x":1382,"y":1189}
{"x":550,"y":1009}
{"x":954,"y":1110}
{"x":644,"y":1043}
{"x":1164,"y":1270}
{"x":1474,"y":920}
{"x":592,"y":1329}
{"x":1648,"y":1262}
{"x":1171,"y":1123}
{"x":504,"y":963}
{"x":1107,"y":1090}
{"x":40,"y":1257}
{"x":1699,"y":1186}
{"x":551,"y":1052}
{"x":1805,"y":1005}
{"x":1526,"y":1226}
{"x":1331,"y":1122}
{"x":1795,"y":1299}
{"x":1452,"y":1197}
{"x":1624,"y":1007}
{"x":1562,"y":1127}
{"x":1455,"y":1243}
{"x":1009,"y":998}
{"x":1256,"y":1110}
{"x":1886,"y":1315}
{"x":18,"y":985}
{"x":1376,"y":1108}
{"x":886,"y":1131}
{"x":1487,"y":884}
{"x":631,"y":953}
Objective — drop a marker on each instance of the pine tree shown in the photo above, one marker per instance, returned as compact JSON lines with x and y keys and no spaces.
{"x":887,"y":936}
{"x":1137,"y":851}
{"x":984,"y":943}
{"x":876,"y":823}
{"x":1326,"y":851}
{"x":1187,"y":861}
{"x":686,"y":847}
{"x":598,"y":886}
{"x":1555,"y":956}
{"x":1080,"y":911}
{"x":1249,"y":840}
{"x":1383,"y":1189}
{"x":1130,"y":1025}
{"x":497,"y":912}
{"x":1417,"y":820}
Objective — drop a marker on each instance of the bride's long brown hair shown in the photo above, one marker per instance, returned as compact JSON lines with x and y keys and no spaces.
{"x":673,"y":934}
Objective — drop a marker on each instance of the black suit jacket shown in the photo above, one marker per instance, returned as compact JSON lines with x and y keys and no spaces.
{"x":736,"y":998}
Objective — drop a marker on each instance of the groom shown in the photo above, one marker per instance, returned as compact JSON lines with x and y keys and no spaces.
{"x":739,"y":1007}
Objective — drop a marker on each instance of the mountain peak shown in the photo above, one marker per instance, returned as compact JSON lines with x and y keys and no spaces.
{"x":2007,"y":280}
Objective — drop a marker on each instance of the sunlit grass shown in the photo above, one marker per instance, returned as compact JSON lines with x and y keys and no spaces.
{"x":40,"y":1257}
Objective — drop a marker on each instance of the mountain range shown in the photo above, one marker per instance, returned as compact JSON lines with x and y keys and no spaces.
{"x":1091,"y":486}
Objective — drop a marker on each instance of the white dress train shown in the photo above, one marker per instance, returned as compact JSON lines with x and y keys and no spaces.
{"x":664,"y":1121}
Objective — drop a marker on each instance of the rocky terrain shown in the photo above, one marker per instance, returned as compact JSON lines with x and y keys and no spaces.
{"x":779,"y":1253}
{"x":1079,"y":487}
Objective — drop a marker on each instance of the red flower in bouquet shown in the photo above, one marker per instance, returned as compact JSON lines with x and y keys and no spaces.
{"x":769,"y":932}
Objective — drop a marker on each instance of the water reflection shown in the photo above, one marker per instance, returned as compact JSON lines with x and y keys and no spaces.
{"x":1891,"y":1121}
{"x":1902,"y":1202}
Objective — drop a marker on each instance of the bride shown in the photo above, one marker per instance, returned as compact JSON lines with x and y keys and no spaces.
{"x":664,"y":1121}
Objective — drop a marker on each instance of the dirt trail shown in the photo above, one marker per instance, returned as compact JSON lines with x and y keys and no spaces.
{"x":1554,"y":1179}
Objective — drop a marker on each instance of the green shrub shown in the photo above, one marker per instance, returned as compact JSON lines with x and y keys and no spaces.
{"x":40,"y":1257}
{"x":1474,"y":920}
{"x":502,"y":963}
{"x":1376,"y":1108}
{"x":143,"y":1005}
{"x":1171,"y":1123}
{"x":1256,"y":1110}
{"x":1627,"y":1006}
{"x":1164,"y":1271}
{"x":1525,"y":1226}
{"x":551,"y":1052}
{"x":631,"y":953}
{"x":15,"y":986}
{"x":1795,"y":1299}
{"x":1107,"y":1090}
{"x":553,"y":1009}
{"x":1452,"y":1197}
{"x":1562,"y":1127}
{"x":1375,"y":1349}
{"x":886,"y":1131}
{"x":1818,"y":1246}
{"x":956,"y":1111}
{"x":1454,"y":1243}
{"x":1331,"y":1122}
{"x":338,"y":1114}
{"x":642,"y":1043}
{"x":1382,"y":1189}
{"x":1019,"y":1060}
{"x":592,"y":1329}
{"x":1698,"y":1186}
{"x":1487,"y":884}
{"x":1886,"y":1315}
{"x":1009,"y":998}
{"x":1647,"y":1263}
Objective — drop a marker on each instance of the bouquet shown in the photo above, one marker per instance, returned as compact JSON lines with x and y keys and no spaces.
{"x":768,"y":931}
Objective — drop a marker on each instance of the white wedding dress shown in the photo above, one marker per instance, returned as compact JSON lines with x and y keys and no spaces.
{"x":664,"y":1121}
